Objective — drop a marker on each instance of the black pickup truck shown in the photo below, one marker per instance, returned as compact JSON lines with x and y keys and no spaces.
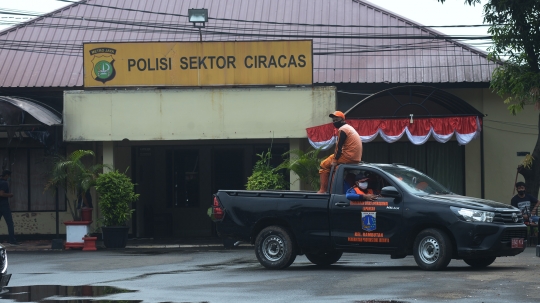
{"x":413,"y":215}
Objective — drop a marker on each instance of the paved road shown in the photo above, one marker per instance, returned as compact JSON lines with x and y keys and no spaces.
{"x":219,"y":275}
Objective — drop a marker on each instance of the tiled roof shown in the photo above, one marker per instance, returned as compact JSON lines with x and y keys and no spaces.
{"x":354,"y":41}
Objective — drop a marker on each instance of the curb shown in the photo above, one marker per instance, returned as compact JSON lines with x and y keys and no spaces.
{"x":172,"y":246}
{"x":135,"y":243}
{"x":47,"y":247}
{"x":184,"y":246}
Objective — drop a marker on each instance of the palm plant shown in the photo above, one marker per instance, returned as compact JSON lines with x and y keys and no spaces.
{"x":304,"y":164}
{"x":74,"y":177}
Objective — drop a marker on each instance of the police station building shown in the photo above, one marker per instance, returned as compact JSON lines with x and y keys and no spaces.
{"x":186,"y":110}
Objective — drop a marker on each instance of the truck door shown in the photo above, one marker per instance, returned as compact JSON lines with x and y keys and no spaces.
{"x":367,"y":224}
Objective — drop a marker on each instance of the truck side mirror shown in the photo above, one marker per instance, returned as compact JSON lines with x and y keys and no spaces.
{"x":390,"y":191}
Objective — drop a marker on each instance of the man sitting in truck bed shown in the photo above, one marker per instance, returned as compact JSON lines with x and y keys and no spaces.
{"x":360,"y":191}
{"x":348,"y":149}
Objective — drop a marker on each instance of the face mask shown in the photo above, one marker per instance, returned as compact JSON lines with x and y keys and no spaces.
{"x":362,"y":185}
{"x":338,"y":124}
{"x":521,"y":192}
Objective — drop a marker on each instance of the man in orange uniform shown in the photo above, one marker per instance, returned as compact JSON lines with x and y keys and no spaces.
{"x":348,"y":149}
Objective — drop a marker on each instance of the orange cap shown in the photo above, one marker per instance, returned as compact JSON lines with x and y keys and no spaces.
{"x":338,"y":114}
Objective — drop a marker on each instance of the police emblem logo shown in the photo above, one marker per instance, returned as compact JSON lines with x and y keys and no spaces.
{"x":103,"y":64}
{"x":369,"y":221}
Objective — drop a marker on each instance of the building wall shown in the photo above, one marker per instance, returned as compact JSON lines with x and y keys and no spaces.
{"x":29,"y":223}
{"x":504,"y":136}
{"x":195,"y":114}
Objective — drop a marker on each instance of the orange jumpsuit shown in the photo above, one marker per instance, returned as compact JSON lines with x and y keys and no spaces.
{"x":348,"y":149}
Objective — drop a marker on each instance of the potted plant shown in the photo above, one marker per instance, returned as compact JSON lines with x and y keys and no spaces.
{"x":264,"y":176}
{"x":75,"y":178}
{"x":116,"y":193}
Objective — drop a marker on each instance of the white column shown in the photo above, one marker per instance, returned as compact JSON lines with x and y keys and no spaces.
{"x":295,"y":180}
{"x":108,"y":154}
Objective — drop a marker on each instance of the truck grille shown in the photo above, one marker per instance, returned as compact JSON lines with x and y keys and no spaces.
{"x":507,"y":217}
{"x":507,"y":235}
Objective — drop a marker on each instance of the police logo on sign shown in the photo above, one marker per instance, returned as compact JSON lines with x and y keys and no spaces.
{"x":103,"y":64}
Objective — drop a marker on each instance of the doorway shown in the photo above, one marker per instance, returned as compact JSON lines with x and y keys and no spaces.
{"x":228,"y":170}
{"x":177,"y":184}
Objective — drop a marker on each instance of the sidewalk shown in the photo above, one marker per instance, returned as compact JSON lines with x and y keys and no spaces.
{"x":137,"y":243}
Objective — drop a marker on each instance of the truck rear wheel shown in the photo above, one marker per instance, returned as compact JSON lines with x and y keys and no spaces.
{"x":480,"y":262}
{"x":432,"y":249}
{"x":325,"y":258}
{"x":274,"y":248}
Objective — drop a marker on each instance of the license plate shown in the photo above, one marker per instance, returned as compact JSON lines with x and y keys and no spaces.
{"x":5,"y":280}
{"x":518,"y":243}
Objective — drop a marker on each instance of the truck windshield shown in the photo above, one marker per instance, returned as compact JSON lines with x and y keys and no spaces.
{"x":414,"y":181}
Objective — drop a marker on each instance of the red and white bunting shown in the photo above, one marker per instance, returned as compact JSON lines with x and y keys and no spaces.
{"x":391,"y":130}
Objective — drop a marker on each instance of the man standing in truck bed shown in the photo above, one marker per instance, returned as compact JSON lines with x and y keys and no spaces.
{"x":348,"y":149}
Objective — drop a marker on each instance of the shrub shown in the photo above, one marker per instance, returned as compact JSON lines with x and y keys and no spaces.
{"x":116,"y":193}
{"x":264,"y":176}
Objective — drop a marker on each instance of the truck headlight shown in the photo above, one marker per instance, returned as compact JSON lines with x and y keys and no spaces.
{"x":473,"y":215}
{"x":3,"y":260}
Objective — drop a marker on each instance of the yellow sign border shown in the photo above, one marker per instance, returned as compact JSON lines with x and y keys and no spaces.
{"x":198,"y":64}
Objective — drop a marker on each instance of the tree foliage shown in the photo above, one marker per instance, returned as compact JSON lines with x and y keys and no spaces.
{"x":515,"y":27}
{"x":470,"y":2}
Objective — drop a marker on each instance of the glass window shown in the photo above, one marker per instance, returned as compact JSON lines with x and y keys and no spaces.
{"x":41,"y":199}
{"x":375,"y":181}
{"x":443,"y":161}
{"x":29,"y":174}
{"x":19,"y":178}
{"x":414,"y":181}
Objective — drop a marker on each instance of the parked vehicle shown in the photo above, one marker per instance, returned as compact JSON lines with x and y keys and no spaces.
{"x":414,"y":215}
{"x":4,"y":276}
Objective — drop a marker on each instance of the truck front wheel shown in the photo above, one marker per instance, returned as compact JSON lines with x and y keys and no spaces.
{"x":480,"y":262}
{"x":325,"y":258}
{"x":432,"y":249}
{"x":274,"y":248}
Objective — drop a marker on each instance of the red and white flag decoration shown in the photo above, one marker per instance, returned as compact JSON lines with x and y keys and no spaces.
{"x":391,"y":130}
